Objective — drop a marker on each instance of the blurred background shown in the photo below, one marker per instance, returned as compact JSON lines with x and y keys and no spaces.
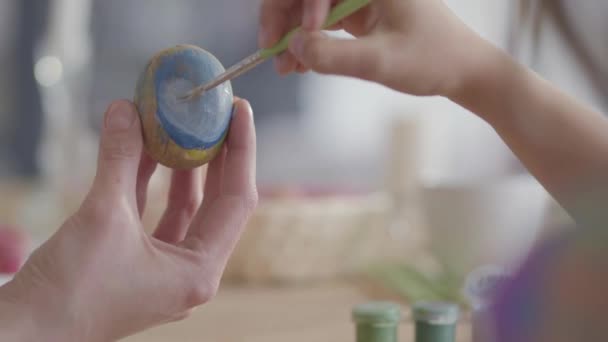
{"x":365,"y":192}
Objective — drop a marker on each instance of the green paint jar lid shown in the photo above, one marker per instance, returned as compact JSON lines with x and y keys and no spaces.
{"x":440,"y":313}
{"x":377,"y":313}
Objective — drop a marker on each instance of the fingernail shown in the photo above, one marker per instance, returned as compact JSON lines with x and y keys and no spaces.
{"x":248,"y":107}
{"x":296,"y":45}
{"x":120,"y":117}
{"x":234,"y":108}
{"x":242,"y":106}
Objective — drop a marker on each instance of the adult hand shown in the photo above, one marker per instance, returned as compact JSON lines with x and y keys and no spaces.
{"x":101,"y":277}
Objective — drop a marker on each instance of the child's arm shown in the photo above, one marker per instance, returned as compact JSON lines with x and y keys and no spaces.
{"x":563,"y":143}
{"x":420,"y":47}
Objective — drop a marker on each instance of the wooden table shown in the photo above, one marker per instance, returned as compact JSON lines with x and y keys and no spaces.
{"x":305,"y":314}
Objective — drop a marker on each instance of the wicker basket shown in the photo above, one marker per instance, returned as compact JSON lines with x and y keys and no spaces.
{"x":307,"y":238}
{"x":300,"y":235}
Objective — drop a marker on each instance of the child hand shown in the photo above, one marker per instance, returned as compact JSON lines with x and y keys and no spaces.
{"x":414,"y":46}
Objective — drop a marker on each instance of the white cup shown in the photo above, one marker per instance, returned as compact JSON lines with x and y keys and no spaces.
{"x":477,"y":222}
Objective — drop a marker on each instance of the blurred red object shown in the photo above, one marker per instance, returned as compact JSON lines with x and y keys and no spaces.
{"x":13,"y":249}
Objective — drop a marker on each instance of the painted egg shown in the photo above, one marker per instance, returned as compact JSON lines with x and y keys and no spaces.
{"x":178,"y":133}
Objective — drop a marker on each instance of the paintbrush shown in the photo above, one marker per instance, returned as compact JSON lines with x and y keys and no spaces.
{"x":339,"y":12}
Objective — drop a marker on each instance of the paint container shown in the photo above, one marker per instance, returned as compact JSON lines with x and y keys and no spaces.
{"x":377,"y":322}
{"x":435,"y":321}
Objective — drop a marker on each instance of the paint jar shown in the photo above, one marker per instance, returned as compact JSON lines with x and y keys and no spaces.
{"x":377,"y":322}
{"x":435,"y":321}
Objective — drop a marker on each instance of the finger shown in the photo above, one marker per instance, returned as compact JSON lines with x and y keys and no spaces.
{"x":147,"y":166}
{"x":276,"y":19}
{"x":239,"y":171}
{"x":119,"y":151}
{"x":349,"y":57}
{"x":361,"y":22}
{"x":217,"y":227}
{"x":286,"y":63}
{"x":275,"y":16}
{"x":301,"y":68}
{"x":214,"y":176}
{"x":213,"y":182}
{"x":335,"y":27}
{"x":185,"y":196}
{"x":314,"y":14}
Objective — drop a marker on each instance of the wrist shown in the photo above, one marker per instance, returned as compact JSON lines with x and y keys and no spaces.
{"x":27,"y":315}
{"x":489,"y":77}
{"x":16,"y":316}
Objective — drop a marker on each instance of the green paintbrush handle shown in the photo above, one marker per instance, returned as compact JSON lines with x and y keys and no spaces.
{"x":339,"y":12}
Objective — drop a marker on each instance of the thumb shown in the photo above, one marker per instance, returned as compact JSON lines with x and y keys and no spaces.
{"x":120,"y":149}
{"x":348,"y":57}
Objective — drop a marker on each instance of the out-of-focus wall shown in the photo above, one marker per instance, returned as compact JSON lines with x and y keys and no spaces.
{"x":6,"y":34}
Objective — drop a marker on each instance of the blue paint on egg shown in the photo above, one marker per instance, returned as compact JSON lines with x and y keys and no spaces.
{"x":177,"y":133}
{"x":200,"y":123}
